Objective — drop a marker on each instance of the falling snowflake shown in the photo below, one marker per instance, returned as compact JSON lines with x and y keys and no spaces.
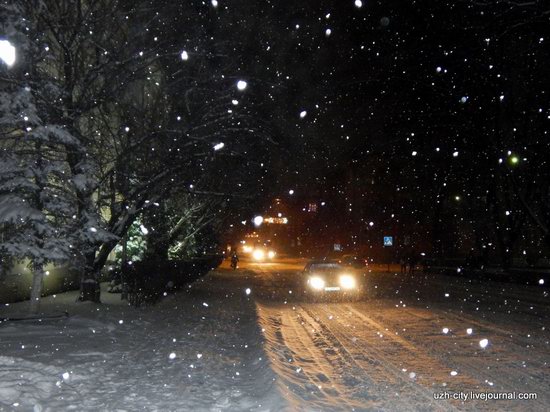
{"x":483,"y":343}
{"x":241,"y":85}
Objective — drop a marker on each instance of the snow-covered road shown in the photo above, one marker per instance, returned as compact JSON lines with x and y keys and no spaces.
{"x":247,"y":340}
{"x":412,"y":339}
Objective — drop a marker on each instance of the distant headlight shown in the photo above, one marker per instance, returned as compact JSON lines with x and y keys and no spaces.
{"x":347,"y":281}
{"x":247,"y":249}
{"x":271,"y":254}
{"x":317,"y":283}
{"x":258,"y":254}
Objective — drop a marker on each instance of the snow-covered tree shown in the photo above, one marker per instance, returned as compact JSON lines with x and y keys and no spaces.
{"x":132,"y":115}
{"x":36,"y":206}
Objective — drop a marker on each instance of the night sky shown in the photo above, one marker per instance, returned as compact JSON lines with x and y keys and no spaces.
{"x":391,"y":79}
{"x":405,"y":105}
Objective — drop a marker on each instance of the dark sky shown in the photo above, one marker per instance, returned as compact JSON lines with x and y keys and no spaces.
{"x":395,"y":83}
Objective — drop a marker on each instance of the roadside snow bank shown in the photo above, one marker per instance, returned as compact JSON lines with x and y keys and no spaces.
{"x":198,"y":350}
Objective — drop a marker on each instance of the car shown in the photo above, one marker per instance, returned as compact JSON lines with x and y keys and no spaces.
{"x":331,"y":278}
{"x":259,"y":253}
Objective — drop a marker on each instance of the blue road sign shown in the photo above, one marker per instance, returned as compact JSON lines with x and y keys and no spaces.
{"x":388,"y":240}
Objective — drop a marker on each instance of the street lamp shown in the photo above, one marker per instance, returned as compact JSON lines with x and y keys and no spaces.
{"x":513,"y":159}
{"x":7,"y":52}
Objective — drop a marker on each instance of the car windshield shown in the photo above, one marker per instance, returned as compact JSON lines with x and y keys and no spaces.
{"x":324,"y":267}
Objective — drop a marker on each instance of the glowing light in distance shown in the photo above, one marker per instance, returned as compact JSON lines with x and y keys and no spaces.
{"x":184,"y":55}
{"x":258,"y":220}
{"x":7,"y":52}
{"x":258,"y":254}
{"x":271,"y":254}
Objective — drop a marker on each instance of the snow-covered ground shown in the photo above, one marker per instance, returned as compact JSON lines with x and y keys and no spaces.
{"x":199,"y":350}
{"x":247,"y":340}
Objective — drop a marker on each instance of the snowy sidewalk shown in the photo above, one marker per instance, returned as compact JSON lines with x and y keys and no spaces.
{"x":197,"y":350}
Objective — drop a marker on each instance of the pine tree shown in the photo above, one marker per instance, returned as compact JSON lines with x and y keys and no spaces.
{"x":35,"y":206}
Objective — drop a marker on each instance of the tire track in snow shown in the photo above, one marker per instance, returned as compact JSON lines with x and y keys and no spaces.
{"x":310,"y":372}
{"x":373,"y":358}
{"x":493,"y":369}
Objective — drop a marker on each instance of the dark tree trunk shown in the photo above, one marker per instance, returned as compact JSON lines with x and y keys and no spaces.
{"x":89,"y":282}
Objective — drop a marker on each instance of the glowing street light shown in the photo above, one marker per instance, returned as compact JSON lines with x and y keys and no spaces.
{"x":258,"y":220}
{"x":7,"y":52}
{"x":513,"y":160}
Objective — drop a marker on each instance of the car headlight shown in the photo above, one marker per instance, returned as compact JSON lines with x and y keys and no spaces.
{"x":316,"y":283}
{"x":347,"y":281}
{"x":258,"y":254}
{"x":271,"y":254}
